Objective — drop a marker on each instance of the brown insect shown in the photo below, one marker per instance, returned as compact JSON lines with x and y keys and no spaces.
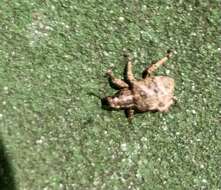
{"x":152,"y":93}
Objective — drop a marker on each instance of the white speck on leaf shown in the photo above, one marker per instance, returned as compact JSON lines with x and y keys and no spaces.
{"x":123,"y":147}
{"x":193,"y":112}
{"x":40,"y":141}
{"x":144,"y":7}
{"x":5,"y":88}
{"x":121,"y":19}
{"x":164,"y":127}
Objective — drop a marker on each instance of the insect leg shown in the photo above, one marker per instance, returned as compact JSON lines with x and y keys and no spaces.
{"x":129,"y":73}
{"x":129,"y":114}
{"x":150,"y":69}
{"x":114,"y":82}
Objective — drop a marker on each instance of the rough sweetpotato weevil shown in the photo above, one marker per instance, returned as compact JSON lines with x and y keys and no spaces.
{"x":152,"y":93}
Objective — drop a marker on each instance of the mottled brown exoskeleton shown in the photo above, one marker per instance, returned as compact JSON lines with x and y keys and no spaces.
{"x":152,"y":93}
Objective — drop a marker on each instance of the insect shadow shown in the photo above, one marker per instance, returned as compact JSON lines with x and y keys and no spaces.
{"x":7,"y":181}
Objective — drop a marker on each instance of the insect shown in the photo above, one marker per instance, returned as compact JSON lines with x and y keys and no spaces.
{"x":151,"y":93}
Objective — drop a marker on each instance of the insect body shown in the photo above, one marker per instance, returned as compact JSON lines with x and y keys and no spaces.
{"x":152,"y":93}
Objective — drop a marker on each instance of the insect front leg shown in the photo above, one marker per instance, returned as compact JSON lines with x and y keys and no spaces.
{"x":114,"y":82}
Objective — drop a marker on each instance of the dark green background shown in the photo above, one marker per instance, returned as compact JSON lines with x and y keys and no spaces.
{"x":53,"y":56}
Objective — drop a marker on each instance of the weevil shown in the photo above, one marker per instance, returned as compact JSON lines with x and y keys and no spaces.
{"x":151,"y":93}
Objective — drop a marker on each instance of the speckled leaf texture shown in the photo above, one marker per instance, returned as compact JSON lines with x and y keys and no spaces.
{"x":54,"y":133}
